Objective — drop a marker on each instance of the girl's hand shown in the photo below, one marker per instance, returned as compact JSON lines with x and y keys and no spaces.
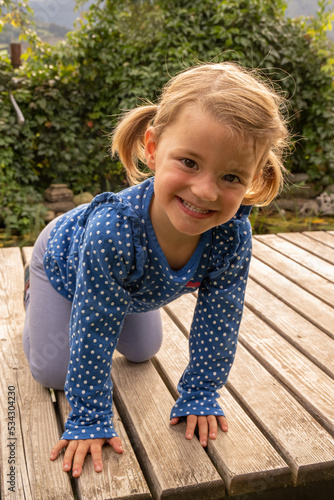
{"x":207,"y":426}
{"x":77,"y":450}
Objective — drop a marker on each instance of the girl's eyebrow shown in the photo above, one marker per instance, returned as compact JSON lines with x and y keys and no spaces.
{"x":189,"y":152}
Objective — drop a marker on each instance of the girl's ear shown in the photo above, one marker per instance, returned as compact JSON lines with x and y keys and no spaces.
{"x":150,"y":148}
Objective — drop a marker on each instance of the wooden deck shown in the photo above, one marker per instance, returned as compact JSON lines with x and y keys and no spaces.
{"x":279,"y":399}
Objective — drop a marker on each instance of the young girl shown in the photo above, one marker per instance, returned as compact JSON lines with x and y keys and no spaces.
{"x":100,"y":272}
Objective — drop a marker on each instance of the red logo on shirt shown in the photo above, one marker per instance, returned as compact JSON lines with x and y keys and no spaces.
{"x":193,"y":284}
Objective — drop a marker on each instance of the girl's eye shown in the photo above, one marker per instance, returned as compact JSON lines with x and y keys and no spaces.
{"x":231,"y":178}
{"x":188,"y":163}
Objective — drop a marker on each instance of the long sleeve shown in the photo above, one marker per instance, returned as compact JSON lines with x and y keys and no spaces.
{"x":100,"y":304}
{"x":214,"y":331}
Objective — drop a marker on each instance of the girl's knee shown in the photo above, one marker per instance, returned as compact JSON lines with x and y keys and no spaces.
{"x":49,"y":366}
{"x":141,"y":354}
{"x":47,"y":376}
{"x":141,"y":337}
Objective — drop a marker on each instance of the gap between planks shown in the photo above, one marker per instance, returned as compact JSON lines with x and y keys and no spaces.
{"x":276,"y":411}
{"x":311,"y":245}
{"x":300,"y":300}
{"x":121,"y":477}
{"x":299,"y":255}
{"x":312,"y":342}
{"x":244,"y":458}
{"x":36,"y":428}
{"x":300,"y":275}
{"x":173,"y":466}
{"x":324,"y":237}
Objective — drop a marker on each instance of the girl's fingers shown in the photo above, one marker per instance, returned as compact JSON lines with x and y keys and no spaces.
{"x":79,"y":456}
{"x":174,"y":420}
{"x":203,"y":430}
{"x":116,"y":443}
{"x":207,"y":427}
{"x":191,"y":425}
{"x":69,"y":454}
{"x":96,"y":452}
{"x":56,"y":449}
{"x":212,"y":421}
{"x":223,"y":423}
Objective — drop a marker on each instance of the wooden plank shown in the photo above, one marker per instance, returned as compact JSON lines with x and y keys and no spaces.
{"x":300,"y":275}
{"x":121,"y":476}
{"x":11,"y":286}
{"x":324,"y":237}
{"x":304,"y":467}
{"x":173,"y":466}
{"x":297,"y":298}
{"x":243,"y":456}
{"x":306,"y":381}
{"x":306,"y":337}
{"x":303,"y":443}
{"x":26,"y":254}
{"x":36,"y":427}
{"x":315,"y":247}
{"x":306,"y":259}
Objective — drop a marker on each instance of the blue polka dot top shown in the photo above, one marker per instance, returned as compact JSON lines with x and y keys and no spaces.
{"x":105,"y":258}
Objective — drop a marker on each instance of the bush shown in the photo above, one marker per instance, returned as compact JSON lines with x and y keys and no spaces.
{"x":71,"y":94}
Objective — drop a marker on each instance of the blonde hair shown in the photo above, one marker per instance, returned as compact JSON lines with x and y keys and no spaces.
{"x":237,"y":98}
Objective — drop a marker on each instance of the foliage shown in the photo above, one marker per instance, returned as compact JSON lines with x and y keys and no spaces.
{"x":318,"y":28}
{"x":71,"y":94}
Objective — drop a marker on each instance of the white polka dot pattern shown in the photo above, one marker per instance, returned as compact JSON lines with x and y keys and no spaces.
{"x":214,"y":331}
{"x":105,"y":258}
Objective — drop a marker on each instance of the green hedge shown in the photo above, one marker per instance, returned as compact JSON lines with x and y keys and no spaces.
{"x":71,"y":94}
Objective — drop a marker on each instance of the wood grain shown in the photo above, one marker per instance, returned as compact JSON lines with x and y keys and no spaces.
{"x":298,"y":331}
{"x":278,"y":399}
{"x":26,"y":254}
{"x":173,"y":466}
{"x":308,"y":280}
{"x":121,"y":476}
{"x":324,"y":237}
{"x":243,"y":456}
{"x":182,"y":315}
{"x":302,"y":301}
{"x":306,"y":381}
{"x":302,"y":441}
{"x":36,"y":428}
{"x":315,"y":247}
{"x":297,"y":254}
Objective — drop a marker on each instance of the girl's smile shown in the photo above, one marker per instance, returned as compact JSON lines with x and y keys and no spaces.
{"x":202,"y":173}
{"x":194,"y":211}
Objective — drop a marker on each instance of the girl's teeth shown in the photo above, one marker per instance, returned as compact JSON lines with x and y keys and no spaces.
{"x":194,"y":209}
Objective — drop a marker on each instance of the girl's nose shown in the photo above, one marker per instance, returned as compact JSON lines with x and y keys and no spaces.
{"x":205,"y":188}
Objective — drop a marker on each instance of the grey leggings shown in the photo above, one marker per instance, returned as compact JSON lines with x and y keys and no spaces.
{"x":46,"y":328}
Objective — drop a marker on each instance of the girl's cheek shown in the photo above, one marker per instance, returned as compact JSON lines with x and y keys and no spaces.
{"x":233,"y":195}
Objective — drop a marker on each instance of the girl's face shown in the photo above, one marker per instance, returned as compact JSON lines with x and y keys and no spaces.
{"x":202,"y":173}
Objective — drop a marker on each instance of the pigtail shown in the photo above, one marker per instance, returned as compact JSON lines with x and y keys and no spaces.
{"x":128,"y":140}
{"x":268,"y":185}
